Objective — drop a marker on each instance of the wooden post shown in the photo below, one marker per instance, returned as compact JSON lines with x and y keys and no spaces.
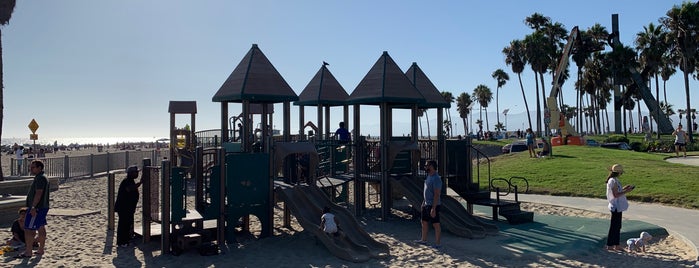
{"x":110,"y":201}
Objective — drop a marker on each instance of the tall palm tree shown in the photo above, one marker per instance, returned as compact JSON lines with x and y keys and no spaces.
{"x":449,"y":98}
{"x":667,"y":69}
{"x":536,"y":54}
{"x":501,"y":77}
{"x":514,"y":57}
{"x":463,"y":101}
{"x":7,"y":7}
{"x":484,"y":96}
{"x":682,"y":22}
{"x":651,"y":45}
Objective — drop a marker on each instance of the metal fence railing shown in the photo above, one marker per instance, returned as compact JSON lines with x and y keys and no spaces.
{"x":65,"y":167}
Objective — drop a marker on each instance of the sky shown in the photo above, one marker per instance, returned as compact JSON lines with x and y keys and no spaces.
{"x":84,"y":68}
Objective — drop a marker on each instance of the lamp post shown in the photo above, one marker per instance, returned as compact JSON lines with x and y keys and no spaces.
{"x":504,"y":112}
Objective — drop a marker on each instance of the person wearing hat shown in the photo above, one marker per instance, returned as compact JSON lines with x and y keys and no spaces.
{"x":125,"y":205}
{"x":616,"y":195}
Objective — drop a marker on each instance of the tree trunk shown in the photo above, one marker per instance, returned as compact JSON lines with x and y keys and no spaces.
{"x":487,"y":125}
{"x":538,"y":106}
{"x":2,"y":105}
{"x":689,"y":128}
{"x":526,"y":106}
{"x":497,"y":105}
{"x":463,"y":119}
{"x":543,"y":98}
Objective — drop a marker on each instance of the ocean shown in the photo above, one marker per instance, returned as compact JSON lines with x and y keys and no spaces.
{"x":79,"y":140}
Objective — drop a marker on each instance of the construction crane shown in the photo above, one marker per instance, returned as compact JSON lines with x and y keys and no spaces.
{"x":556,"y":120}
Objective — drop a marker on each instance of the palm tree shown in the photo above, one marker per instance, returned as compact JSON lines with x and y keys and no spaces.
{"x":514,"y":57}
{"x":6,"y":9}
{"x":484,"y":96}
{"x":463,"y":101}
{"x":667,"y":109}
{"x":449,"y":98}
{"x":667,"y":69}
{"x":537,"y":56}
{"x":651,"y":44}
{"x":501,"y":77}
{"x":682,"y":22}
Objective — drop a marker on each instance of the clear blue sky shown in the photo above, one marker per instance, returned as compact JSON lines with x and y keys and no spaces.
{"x":108,"y":68}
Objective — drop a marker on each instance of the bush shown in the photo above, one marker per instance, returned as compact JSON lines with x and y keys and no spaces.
{"x":639,"y":146}
{"x":617,"y":138}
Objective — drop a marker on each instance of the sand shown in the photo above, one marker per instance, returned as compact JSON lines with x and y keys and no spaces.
{"x":84,"y":241}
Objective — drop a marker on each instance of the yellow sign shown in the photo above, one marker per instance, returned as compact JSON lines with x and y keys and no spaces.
{"x":33,"y":126}
{"x":33,"y":137}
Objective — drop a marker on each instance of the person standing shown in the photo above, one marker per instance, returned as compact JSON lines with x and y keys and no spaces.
{"x":530,"y":142}
{"x":342,"y":133}
{"x":19,"y":156}
{"x":431,"y":205}
{"x":38,"y":206}
{"x":681,"y":138}
{"x":616,"y":196}
{"x":125,"y":205}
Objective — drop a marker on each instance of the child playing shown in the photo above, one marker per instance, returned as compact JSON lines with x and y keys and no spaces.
{"x":636,"y":244}
{"x":18,"y":229}
{"x":328,"y":222}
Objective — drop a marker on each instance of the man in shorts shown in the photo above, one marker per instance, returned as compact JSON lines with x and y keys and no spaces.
{"x":38,"y":205}
{"x":681,"y":138}
{"x":431,"y":204}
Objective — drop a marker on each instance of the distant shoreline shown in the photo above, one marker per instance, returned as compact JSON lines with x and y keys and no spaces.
{"x":91,"y":141}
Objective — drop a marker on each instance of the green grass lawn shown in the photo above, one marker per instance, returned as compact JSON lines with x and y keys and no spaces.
{"x":582,"y":171}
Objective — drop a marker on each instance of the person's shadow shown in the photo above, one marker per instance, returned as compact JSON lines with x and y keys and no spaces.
{"x":126,"y":257}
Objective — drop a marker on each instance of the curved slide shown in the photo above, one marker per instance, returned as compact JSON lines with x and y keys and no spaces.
{"x":348,"y":223}
{"x":453,"y":216}
{"x":308,"y":215}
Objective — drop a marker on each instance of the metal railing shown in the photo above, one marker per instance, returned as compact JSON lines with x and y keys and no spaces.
{"x":67,"y":167}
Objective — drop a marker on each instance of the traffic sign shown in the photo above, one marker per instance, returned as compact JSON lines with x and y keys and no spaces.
{"x":33,"y":126}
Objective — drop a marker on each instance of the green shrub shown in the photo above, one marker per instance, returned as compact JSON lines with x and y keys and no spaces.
{"x":617,"y":138}
{"x":639,"y":146}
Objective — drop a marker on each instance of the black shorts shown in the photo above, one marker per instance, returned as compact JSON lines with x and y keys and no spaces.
{"x":425,"y":214}
{"x":680,"y":144}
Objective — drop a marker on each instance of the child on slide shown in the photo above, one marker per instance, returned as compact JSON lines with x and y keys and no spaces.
{"x":328,"y":223}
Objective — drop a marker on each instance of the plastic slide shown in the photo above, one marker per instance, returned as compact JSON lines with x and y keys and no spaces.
{"x":348,"y":223}
{"x":308,"y":215}
{"x":453,"y":216}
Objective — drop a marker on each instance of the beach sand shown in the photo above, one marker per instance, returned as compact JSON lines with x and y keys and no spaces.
{"x":84,"y":241}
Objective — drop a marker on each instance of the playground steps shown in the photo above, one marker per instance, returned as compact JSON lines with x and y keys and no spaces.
{"x":515,"y":215}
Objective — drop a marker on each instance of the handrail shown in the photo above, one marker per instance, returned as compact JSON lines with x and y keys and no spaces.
{"x":526,"y":183}
{"x":492,"y":186}
{"x":478,"y":164}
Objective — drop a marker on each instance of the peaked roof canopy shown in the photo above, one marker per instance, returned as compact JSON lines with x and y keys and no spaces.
{"x":433,"y":98}
{"x":385,"y":82}
{"x":323,"y":89}
{"x":255,"y":79}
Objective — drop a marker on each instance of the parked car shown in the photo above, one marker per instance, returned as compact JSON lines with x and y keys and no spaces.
{"x":616,"y":145}
{"x":519,"y":146}
{"x":592,"y":143}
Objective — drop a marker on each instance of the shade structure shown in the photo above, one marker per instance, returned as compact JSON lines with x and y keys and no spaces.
{"x":385,"y":83}
{"x":433,"y":98}
{"x":323,"y":89}
{"x":255,"y":79}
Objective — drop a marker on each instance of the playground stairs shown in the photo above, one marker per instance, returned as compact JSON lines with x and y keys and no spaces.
{"x":507,"y":208}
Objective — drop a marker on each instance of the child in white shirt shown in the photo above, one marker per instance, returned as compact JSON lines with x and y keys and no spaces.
{"x":639,"y":243}
{"x":328,"y":222}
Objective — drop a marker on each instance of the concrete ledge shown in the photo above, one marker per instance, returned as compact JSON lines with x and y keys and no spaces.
{"x":21,"y":186}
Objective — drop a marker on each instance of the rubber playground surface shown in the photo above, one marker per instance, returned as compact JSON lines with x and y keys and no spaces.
{"x":564,"y":235}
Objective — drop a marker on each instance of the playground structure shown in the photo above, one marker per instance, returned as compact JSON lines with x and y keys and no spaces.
{"x":249,"y":174}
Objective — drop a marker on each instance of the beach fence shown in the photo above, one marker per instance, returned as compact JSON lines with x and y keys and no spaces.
{"x":99,"y":164}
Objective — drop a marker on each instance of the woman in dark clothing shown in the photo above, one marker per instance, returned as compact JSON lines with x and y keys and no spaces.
{"x":126,"y":201}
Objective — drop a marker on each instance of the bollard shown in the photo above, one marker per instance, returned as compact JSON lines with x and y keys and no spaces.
{"x":110,"y":201}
